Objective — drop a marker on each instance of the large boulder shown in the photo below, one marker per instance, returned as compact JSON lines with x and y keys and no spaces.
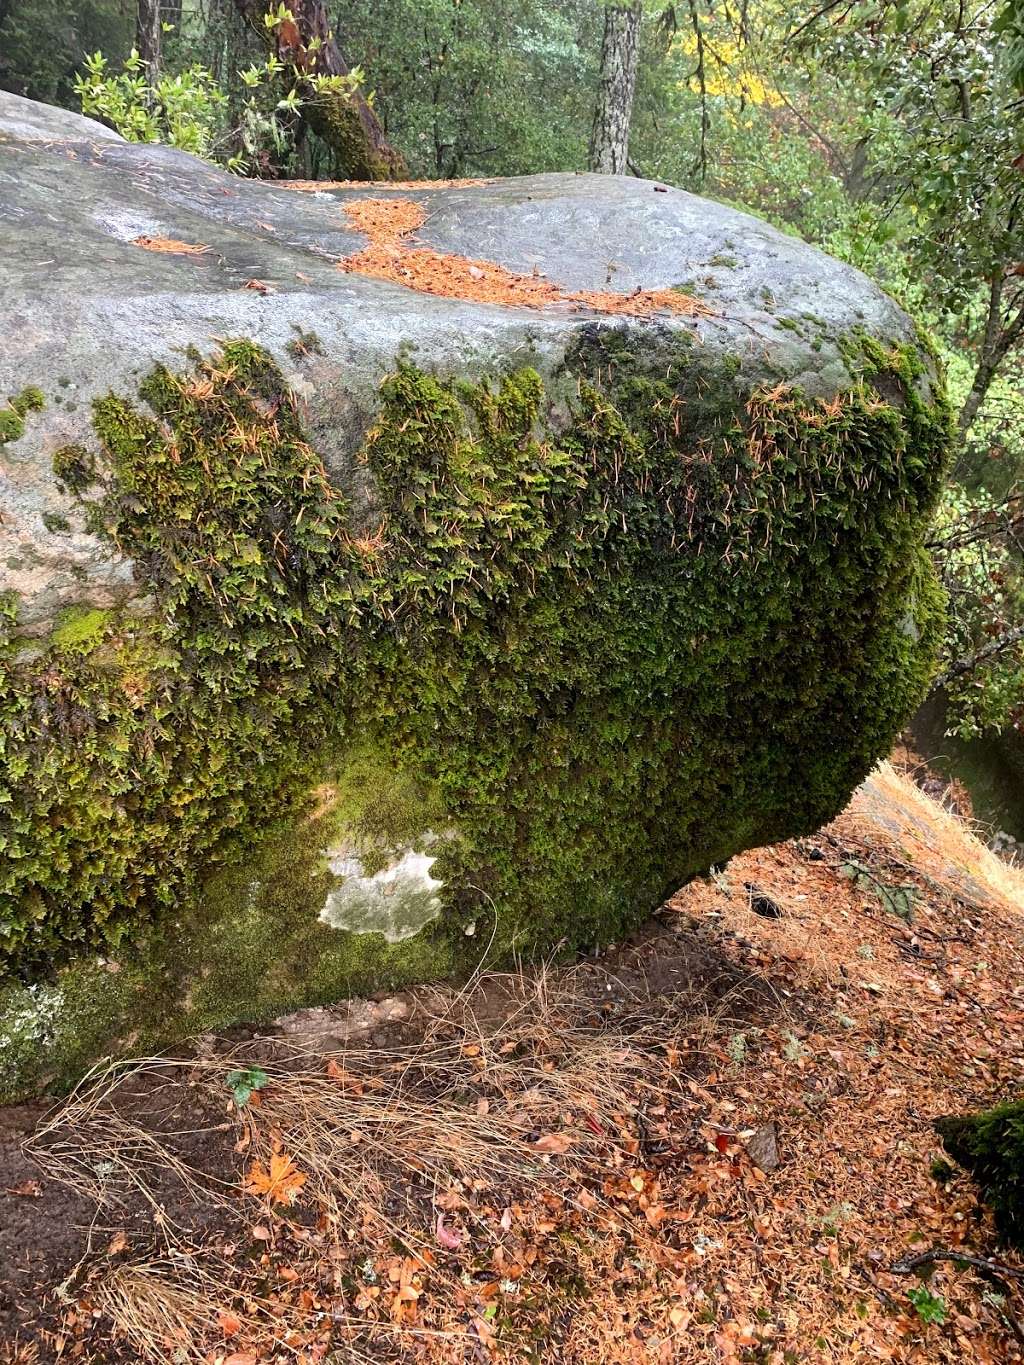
{"x":399,"y":578}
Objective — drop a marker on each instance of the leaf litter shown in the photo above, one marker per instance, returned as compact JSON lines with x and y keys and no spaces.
{"x":583,"y":1165}
{"x":390,"y":225}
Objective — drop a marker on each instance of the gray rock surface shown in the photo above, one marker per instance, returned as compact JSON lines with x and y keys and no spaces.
{"x":85,"y":311}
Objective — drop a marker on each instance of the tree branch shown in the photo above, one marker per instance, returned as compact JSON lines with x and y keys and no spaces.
{"x":969,"y":662}
{"x":909,"y":1264}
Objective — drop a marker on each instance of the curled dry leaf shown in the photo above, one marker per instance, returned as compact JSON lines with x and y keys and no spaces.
{"x":556,"y":1143}
{"x":28,"y":1189}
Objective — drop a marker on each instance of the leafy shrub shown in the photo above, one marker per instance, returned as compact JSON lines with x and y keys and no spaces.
{"x":187,"y":111}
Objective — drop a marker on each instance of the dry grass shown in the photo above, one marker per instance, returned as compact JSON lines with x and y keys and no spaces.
{"x":935,"y":841}
{"x":517,"y":1083}
{"x":538,"y":1168}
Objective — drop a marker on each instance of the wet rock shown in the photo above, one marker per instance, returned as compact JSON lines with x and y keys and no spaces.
{"x":763,"y":1147}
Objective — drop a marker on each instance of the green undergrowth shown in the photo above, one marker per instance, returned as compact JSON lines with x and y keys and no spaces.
{"x":991,"y":1146}
{"x":616,"y":648}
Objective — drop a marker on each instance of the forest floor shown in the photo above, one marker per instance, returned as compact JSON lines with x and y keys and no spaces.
{"x":713,"y":1144}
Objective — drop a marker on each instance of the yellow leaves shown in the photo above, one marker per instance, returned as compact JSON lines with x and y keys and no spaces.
{"x":280,"y":1183}
{"x":728,"y":73}
{"x":170,"y":246}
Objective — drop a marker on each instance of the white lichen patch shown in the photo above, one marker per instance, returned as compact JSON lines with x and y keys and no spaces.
{"x":397,"y":901}
{"x":30,"y":1014}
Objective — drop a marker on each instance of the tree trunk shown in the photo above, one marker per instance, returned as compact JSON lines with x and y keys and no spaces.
{"x":346,"y":123}
{"x":147,"y":37}
{"x":609,"y":141}
{"x":998,"y":340}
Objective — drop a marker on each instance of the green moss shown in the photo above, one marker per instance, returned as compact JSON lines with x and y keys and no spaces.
{"x":29,"y":400}
{"x":12,"y":416}
{"x":74,"y":468}
{"x":335,"y":118}
{"x":304,"y":344}
{"x":248,"y":945}
{"x":595,"y":656}
{"x":991,"y":1146}
{"x":79,"y":629}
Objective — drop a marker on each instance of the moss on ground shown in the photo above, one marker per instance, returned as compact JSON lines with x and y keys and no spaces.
{"x":607,"y":652}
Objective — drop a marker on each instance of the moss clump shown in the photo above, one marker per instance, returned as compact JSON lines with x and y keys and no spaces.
{"x":614,"y":651}
{"x":247,"y":945}
{"x":304,"y":344}
{"x":991,"y":1146}
{"x":74,"y":468}
{"x":79,"y":630}
{"x":12,"y":416}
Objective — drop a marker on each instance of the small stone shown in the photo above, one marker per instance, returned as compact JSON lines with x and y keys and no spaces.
{"x":763,"y":1147}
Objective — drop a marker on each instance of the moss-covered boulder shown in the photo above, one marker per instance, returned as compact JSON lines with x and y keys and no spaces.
{"x":396,"y":580}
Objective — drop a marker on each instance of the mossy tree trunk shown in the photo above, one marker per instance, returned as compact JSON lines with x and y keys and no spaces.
{"x":609,"y":140}
{"x":345,"y":122}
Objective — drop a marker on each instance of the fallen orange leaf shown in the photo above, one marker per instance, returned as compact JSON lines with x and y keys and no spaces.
{"x":558,"y":1143}
{"x":281,"y":1183}
{"x":229,"y":1324}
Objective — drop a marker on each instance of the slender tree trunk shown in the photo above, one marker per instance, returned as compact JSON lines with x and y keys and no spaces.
{"x":998,"y":340}
{"x":609,"y":141}
{"x":147,"y":37}
{"x":347,"y":124}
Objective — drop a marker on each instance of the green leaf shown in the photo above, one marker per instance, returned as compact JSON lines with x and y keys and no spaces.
{"x":930,"y":1307}
{"x":243,"y":1082}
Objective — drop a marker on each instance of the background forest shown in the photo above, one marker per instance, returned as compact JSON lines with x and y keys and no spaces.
{"x":888,"y":132}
